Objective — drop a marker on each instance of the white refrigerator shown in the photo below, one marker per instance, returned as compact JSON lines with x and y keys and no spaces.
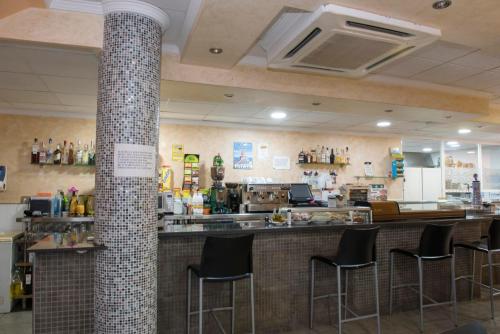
{"x":7,"y":258}
{"x":422,"y":184}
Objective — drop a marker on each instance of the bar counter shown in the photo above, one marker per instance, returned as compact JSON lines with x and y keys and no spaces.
{"x":281,"y":265}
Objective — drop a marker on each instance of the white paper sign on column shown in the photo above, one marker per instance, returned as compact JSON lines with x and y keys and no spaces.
{"x":131,"y":160}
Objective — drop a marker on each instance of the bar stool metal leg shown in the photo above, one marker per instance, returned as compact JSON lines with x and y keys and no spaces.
{"x":453,"y":290}
{"x":233,"y":302}
{"x":490,"y":272}
{"x":339,"y":298}
{"x":311,"y":297}
{"x":473,"y":275}
{"x":252,"y":302}
{"x":188,"y":306}
{"x":375,"y":272}
{"x":200,"y":306}
{"x":421,"y":293}
{"x":345,"y":289}
{"x":391,"y":282}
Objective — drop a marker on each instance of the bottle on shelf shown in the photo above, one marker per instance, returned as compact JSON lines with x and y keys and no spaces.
{"x":71,"y":154}
{"x":323,"y":155}
{"x":85,"y":155}
{"x":337,"y":155}
{"x":314,"y":156}
{"x":347,"y":155}
{"x":50,"y":153}
{"x":35,"y":152}
{"x":73,"y":204}
{"x":327,"y":155}
{"x":79,"y":153}
{"x":57,"y":155}
{"x":302,"y":157}
{"x":332,"y":157}
{"x":318,"y":154}
{"x":64,"y":153}
{"x":16,"y":285}
{"x":28,"y":282}
{"x":92,"y":154}
{"x":42,"y":155}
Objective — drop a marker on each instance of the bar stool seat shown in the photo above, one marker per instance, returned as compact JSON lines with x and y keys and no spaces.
{"x":356,"y":250}
{"x":222,"y":260}
{"x":435,"y":244}
{"x":488,"y":245}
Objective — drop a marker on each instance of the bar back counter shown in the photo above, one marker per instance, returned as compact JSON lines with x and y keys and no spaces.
{"x":63,"y":277}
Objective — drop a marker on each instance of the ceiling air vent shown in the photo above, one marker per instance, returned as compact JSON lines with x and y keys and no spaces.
{"x":342,"y":41}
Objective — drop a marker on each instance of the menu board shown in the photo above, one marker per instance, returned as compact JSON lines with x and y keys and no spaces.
{"x":191,"y":172}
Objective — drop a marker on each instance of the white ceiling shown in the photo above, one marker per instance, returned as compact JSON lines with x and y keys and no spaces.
{"x":41,"y":80}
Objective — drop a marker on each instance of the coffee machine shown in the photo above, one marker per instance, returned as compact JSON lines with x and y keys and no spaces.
{"x":265,"y":197}
{"x":233,"y":197}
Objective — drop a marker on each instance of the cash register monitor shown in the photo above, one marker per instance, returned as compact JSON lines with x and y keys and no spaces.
{"x":300,"y":194}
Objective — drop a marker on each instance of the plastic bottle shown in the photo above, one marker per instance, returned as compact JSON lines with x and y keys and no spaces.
{"x":178,"y":206}
{"x":198,"y":204}
{"x":16,"y":286}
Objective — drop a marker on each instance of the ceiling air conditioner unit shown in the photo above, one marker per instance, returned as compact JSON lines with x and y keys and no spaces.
{"x":341,"y":41}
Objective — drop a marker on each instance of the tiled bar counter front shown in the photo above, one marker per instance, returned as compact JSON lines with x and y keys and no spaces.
{"x":281,"y":266}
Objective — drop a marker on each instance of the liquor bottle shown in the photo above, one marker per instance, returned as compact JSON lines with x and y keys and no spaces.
{"x":347,"y":155}
{"x":323,"y":154}
{"x":302,"y":157}
{"x":34,"y":152}
{"x":327,"y":155}
{"x":28,"y":282}
{"x":71,"y":154}
{"x":16,"y":285}
{"x":337,"y":155}
{"x":42,"y":155}
{"x":318,"y":154}
{"x":332,"y":157}
{"x":57,"y":155}
{"x":79,"y":153}
{"x":92,"y":154}
{"x":50,"y":153}
{"x":64,"y":153}
{"x":314,"y":156}
{"x":85,"y":155}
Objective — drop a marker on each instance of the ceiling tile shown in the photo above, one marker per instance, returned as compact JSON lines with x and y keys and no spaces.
{"x":314,"y":117}
{"x":10,"y":61}
{"x":408,"y":66}
{"x":61,"y":62}
{"x":266,"y":113}
{"x":77,"y":100}
{"x":443,"y":51}
{"x":480,"y":81}
{"x":227,"y":119}
{"x":236,"y":110}
{"x":479,"y":60}
{"x":70,"y":85}
{"x":188,"y":107}
{"x":24,"y":96}
{"x":53,"y":107}
{"x":21,"y":81}
{"x":446,"y":73}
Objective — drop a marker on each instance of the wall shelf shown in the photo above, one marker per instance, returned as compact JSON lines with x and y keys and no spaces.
{"x":358,"y":177}
{"x":321,"y":164}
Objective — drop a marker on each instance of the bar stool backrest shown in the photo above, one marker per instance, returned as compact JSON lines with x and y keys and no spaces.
{"x":436,"y":240}
{"x":227,"y":257}
{"x":494,"y":235}
{"x":357,"y":246}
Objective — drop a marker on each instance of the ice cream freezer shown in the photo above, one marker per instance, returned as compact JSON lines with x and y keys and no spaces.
{"x":7,"y":260}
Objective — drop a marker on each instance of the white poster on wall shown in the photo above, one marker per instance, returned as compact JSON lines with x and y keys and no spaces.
{"x":281,"y":162}
{"x":131,"y":160}
{"x":263,"y":151}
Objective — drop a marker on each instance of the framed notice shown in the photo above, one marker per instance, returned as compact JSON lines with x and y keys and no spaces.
{"x":281,"y":162}
{"x":242,"y":155}
{"x":263,"y":151}
{"x":131,"y":160}
{"x":177,"y":152}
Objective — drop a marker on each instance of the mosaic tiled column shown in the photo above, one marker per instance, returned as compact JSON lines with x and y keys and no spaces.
{"x":126,"y":205}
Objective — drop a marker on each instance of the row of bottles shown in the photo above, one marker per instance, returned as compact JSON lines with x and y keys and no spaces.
{"x":72,"y":204}
{"x":21,"y":283}
{"x":45,"y":154}
{"x":325,"y":156}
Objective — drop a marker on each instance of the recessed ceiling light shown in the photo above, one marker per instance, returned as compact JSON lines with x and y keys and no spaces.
{"x":278,"y":115}
{"x":448,"y":117}
{"x":215,"y":51}
{"x":441,"y":4}
{"x":388,"y":110}
{"x":316,"y":103}
{"x":464,"y":131}
{"x":383,"y":124}
{"x":228,"y":95}
{"x":453,"y":144}
{"x":471,"y":152}
{"x":427,"y":149}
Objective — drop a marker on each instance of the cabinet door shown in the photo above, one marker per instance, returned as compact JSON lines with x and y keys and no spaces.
{"x":431,"y":184}
{"x":412,"y":188}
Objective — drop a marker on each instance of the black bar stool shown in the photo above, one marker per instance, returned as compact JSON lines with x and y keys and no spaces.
{"x":489,"y":245}
{"x":356,"y":250}
{"x":222,"y":260}
{"x":435,"y":244}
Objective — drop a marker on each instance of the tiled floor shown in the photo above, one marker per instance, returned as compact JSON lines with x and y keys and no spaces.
{"x":437,"y":320}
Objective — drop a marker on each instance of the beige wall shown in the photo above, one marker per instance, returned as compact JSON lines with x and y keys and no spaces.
{"x":17,"y":133}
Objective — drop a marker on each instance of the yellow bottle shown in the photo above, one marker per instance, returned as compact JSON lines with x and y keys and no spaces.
{"x":16,"y":286}
{"x":73,"y":204}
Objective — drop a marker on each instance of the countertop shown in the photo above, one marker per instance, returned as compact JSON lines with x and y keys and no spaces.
{"x":47,"y":244}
